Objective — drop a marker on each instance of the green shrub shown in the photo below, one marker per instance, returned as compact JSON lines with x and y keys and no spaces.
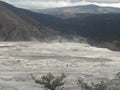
{"x":50,"y":81}
{"x":93,"y":86}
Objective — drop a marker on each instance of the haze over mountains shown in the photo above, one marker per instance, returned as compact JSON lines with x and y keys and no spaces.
{"x":98,"y":25}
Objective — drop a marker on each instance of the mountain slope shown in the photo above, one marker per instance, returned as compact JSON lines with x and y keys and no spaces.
{"x":49,"y":21}
{"x":16,"y":28}
{"x":100,"y":29}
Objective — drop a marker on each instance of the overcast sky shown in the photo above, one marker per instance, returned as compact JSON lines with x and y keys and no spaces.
{"x":38,"y":4}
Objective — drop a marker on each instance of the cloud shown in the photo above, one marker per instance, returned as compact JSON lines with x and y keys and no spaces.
{"x":38,"y":4}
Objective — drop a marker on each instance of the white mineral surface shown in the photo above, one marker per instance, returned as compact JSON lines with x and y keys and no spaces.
{"x":18,"y":60}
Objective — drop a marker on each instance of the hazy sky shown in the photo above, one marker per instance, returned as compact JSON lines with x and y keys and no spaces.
{"x":37,"y":4}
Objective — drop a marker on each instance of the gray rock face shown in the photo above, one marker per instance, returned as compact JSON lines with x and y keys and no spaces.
{"x":15,"y":28}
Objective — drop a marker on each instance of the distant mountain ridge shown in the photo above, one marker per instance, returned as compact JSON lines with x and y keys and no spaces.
{"x":91,"y":8}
